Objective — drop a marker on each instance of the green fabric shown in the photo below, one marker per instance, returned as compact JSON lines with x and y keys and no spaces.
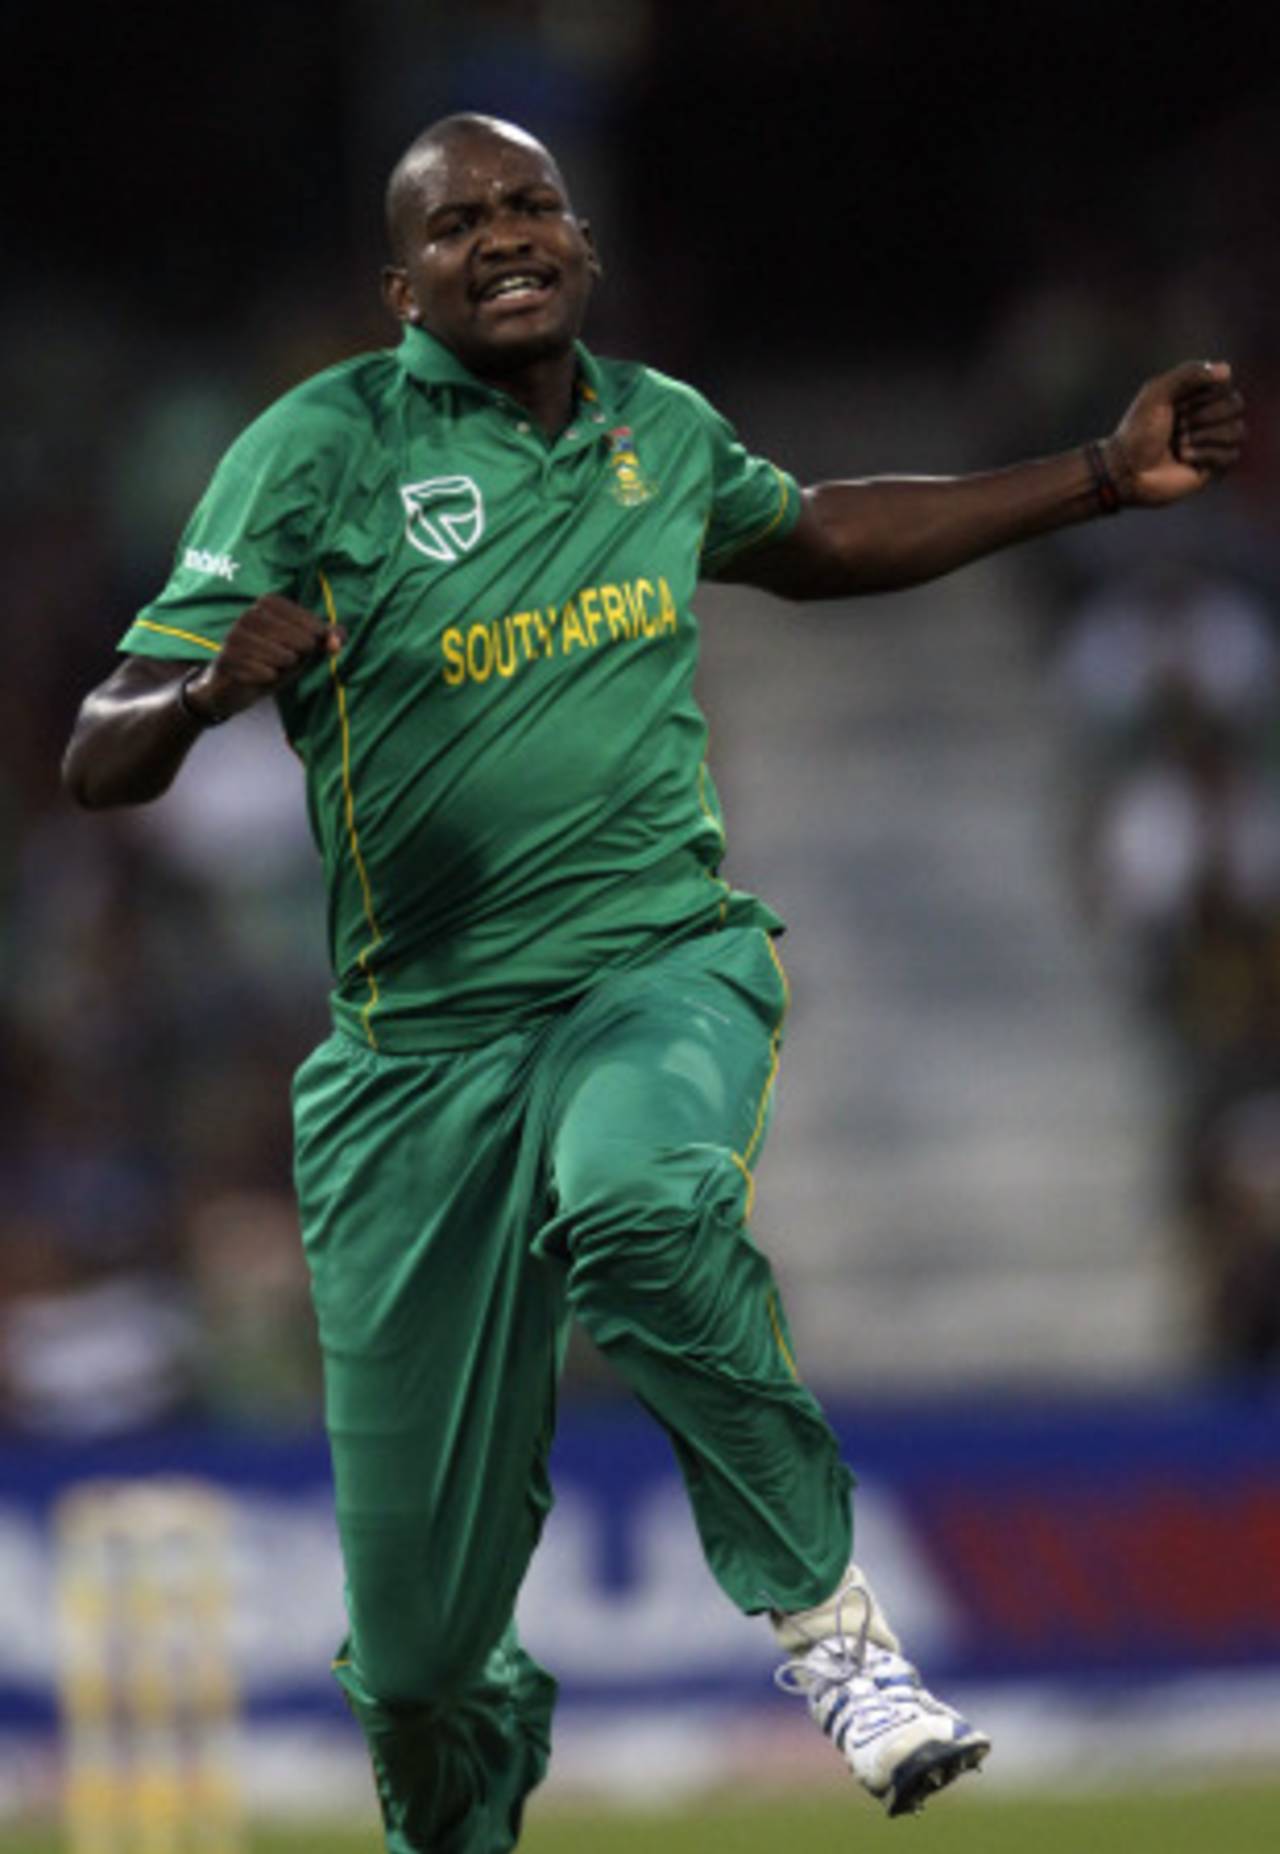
{"x":505,"y":765}
{"x":454,"y":1779}
{"x":556,"y":1024}
{"x":457,"y":1210}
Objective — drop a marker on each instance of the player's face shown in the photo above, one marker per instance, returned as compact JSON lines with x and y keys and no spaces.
{"x":496,"y":265}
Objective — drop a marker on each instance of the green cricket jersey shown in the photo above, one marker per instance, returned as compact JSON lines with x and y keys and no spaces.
{"x":505,"y":762}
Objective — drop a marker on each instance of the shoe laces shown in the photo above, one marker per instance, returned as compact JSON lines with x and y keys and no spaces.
{"x":844,"y":1656}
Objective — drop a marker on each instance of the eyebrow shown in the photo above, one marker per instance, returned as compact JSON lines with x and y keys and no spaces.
{"x":462,"y":202}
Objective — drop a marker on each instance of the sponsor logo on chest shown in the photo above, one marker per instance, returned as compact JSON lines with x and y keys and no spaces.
{"x":444,"y":516}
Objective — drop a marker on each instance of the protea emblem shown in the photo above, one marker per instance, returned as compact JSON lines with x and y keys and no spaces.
{"x":631,"y":486}
{"x":444,"y":517}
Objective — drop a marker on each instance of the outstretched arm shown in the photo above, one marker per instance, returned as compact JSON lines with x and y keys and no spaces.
{"x":875,"y":535}
{"x":135,"y":729}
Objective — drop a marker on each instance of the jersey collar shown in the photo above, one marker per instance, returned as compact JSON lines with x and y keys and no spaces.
{"x":433,"y":364}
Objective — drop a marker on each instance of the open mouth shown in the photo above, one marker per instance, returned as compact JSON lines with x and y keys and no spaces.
{"x":518,"y":289}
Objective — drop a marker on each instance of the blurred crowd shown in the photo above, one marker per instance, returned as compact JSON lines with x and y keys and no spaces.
{"x":166,"y":966}
{"x":1163,"y":657}
{"x":1167,"y":673}
{"x":166,"y":969}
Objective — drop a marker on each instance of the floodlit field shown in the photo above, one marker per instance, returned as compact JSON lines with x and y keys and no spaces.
{"x":1238,"y":1821}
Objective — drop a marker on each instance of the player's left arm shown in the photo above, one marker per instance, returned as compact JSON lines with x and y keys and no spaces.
{"x":874,"y":535}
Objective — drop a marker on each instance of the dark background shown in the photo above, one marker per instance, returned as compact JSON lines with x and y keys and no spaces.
{"x":861,"y":173}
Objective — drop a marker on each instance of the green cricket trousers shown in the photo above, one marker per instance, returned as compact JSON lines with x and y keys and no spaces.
{"x":457,"y":1212}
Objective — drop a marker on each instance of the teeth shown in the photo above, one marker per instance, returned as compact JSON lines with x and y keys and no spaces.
{"x":510,"y":285}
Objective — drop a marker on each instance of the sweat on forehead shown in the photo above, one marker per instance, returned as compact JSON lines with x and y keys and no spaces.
{"x":428,"y":150}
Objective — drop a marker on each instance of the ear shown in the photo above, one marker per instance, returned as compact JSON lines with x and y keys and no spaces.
{"x":593,"y":256}
{"x":398,"y":295}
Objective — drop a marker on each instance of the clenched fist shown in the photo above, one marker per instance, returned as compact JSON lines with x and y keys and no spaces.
{"x":269,"y":645}
{"x":1183,"y":428}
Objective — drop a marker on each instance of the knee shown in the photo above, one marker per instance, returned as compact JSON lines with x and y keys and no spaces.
{"x":627,"y":1186}
{"x":417,"y":1640}
{"x":652,"y":1231}
{"x":417,"y":1662}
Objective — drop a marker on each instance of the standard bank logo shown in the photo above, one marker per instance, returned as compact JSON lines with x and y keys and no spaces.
{"x":200,"y":560}
{"x":444,"y":517}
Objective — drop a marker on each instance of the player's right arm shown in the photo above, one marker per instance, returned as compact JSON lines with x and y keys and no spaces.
{"x":134,"y":730}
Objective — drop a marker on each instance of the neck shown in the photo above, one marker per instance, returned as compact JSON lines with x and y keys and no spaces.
{"x":545,"y":388}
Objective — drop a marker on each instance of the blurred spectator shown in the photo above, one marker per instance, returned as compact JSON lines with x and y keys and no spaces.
{"x":259,"y":1360}
{"x":1233,"y":1193}
{"x":1168,"y":636}
{"x":88,"y":1347}
{"x":1169,"y":676}
{"x":1186,"y":855}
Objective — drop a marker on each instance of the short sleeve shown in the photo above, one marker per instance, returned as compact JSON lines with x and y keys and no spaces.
{"x":256,"y":530}
{"x":752,"y":499}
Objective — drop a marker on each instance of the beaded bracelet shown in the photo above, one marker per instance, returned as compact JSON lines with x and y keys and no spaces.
{"x":1105,"y":487}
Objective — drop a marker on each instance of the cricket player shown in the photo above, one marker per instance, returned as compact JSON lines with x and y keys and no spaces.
{"x":463,"y":569}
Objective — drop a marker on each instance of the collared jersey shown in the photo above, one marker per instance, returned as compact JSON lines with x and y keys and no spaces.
{"x":505,"y":762}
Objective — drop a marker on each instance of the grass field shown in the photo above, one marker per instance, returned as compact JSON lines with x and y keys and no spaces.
{"x":1219,"y":1821}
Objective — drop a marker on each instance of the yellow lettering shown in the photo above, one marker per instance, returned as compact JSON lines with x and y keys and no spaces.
{"x":500,"y":627}
{"x":668,"y":619}
{"x":615,"y":610}
{"x":571,"y":627}
{"x":455,"y":669}
{"x":635,"y":608}
{"x":479,"y":653}
{"x":639,"y":610}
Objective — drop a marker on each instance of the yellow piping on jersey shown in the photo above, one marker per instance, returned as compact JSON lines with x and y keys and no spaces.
{"x":784,"y":497}
{"x":168,"y":630}
{"x":775,"y":1320}
{"x":761,"y":534}
{"x":757,"y":1131}
{"x":743,"y":1159}
{"x":749,"y":1203}
{"x":775,"y":1048}
{"x":353,"y":836}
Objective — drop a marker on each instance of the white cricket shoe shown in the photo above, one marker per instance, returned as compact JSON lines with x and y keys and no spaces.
{"x":900,"y":1742}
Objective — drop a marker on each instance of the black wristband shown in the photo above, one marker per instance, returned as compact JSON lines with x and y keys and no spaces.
{"x":1106,"y":490}
{"x":202,"y":717}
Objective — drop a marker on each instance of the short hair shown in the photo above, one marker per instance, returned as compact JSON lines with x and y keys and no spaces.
{"x":406,"y":176}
